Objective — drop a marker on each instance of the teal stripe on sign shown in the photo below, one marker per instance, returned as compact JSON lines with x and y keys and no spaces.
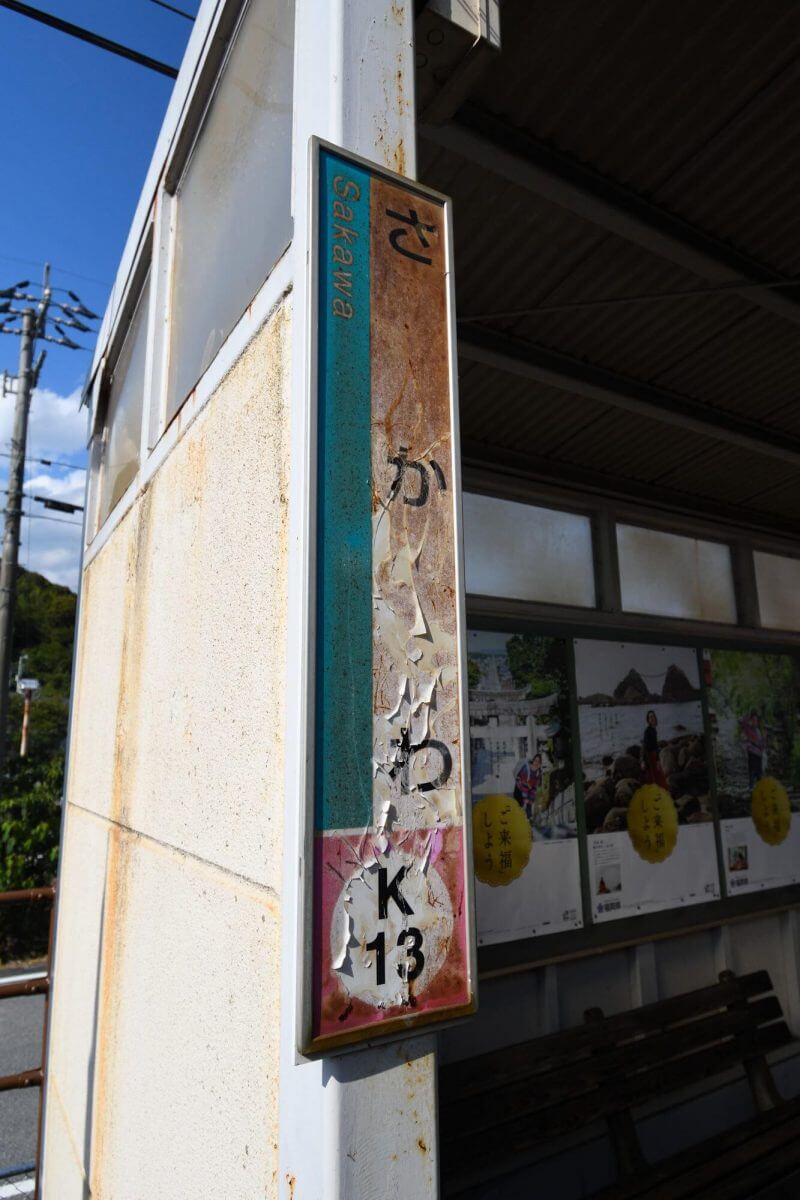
{"x":344,"y":557}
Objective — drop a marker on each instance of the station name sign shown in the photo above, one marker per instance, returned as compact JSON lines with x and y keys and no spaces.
{"x":389,"y":910}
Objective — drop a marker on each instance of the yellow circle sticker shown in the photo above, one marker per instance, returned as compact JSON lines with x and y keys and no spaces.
{"x":501,"y":840}
{"x":652,"y":823}
{"x":771,"y":810}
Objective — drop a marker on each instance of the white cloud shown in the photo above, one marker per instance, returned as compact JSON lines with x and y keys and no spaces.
{"x":69,"y":485}
{"x":57,"y":429}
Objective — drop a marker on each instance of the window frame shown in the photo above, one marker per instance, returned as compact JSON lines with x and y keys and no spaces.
{"x":605,"y":513}
{"x":139,"y":289}
{"x":212,"y":70}
{"x":606,"y":621}
{"x":793,"y":554}
{"x":649,"y":527}
{"x":152,"y":235}
{"x":567,"y":510}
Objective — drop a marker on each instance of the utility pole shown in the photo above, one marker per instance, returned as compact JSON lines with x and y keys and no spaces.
{"x":34,"y":327}
{"x":8,"y":566}
{"x":26,"y":717}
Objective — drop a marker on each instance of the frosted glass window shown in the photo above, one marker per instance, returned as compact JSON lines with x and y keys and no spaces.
{"x":778,"y":583}
{"x":673,"y":576}
{"x":527,"y":553}
{"x":233,"y":203}
{"x":119,"y":459}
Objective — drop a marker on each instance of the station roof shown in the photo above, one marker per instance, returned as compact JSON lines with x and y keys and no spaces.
{"x":625,"y":183}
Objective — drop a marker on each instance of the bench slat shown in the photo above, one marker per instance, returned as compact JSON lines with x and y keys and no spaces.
{"x":542,"y":1089}
{"x":497,"y":1068}
{"x":756,"y":1160}
{"x":468,"y":1154}
{"x":692,"y":1157}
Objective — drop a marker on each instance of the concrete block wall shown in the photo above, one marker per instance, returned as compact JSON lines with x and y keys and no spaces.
{"x":163,"y":1071}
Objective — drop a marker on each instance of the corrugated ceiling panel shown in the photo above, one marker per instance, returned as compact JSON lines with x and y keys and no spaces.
{"x":783,"y":501}
{"x":752,"y":368}
{"x":642,"y":90}
{"x":694,"y":107}
{"x":730,"y":474}
{"x":510,"y":413}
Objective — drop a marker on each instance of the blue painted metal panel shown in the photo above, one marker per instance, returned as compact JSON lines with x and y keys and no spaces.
{"x":344,"y":673}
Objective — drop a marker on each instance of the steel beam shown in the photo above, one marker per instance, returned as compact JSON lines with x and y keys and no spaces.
{"x":550,"y":367}
{"x":493,"y":144}
{"x":479,"y":458}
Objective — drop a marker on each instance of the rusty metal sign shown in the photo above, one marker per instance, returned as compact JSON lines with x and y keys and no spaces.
{"x":390,"y":935}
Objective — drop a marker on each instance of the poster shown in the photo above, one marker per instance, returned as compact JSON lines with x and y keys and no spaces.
{"x":754,"y":711}
{"x":527,"y":868}
{"x":389,"y":928}
{"x":649,"y":825}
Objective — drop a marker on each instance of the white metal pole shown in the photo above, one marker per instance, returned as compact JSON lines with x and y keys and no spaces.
{"x":26,"y":713}
{"x":372,"y":1112}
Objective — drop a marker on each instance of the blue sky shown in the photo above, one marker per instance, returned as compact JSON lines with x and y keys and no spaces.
{"x":79,"y":131}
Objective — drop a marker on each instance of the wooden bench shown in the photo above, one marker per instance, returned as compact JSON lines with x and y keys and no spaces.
{"x":497,"y":1111}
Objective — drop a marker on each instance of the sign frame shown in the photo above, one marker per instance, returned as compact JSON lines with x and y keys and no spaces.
{"x":309,"y":1041}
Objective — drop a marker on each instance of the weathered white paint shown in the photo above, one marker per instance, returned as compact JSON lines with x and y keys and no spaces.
{"x":165,"y":1023}
{"x":165,"y":1038}
{"x":200,"y":40}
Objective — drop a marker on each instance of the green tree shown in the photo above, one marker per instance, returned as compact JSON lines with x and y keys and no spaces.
{"x":536,"y":663}
{"x":770,"y":684}
{"x":31,"y":788}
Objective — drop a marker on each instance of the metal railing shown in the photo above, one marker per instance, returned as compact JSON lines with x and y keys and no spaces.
{"x":32,"y":987}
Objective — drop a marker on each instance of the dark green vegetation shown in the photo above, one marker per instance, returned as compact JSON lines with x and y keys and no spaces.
{"x":30,"y":791}
{"x":537,"y":663}
{"x":768,"y":684}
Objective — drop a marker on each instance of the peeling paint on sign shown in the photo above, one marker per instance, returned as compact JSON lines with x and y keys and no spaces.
{"x":392,"y":935}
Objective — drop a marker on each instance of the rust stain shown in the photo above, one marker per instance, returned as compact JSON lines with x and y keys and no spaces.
{"x":115,"y":905}
{"x":422,"y":1145}
{"x":118,"y":858}
{"x":292,"y":1184}
{"x":400,"y":157}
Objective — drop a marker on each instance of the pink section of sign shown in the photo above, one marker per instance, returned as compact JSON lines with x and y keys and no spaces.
{"x":429,"y":897}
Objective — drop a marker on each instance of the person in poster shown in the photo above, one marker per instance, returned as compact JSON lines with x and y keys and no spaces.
{"x":621,"y":751}
{"x":755,"y":744}
{"x":527,"y":782}
{"x":651,"y":762}
{"x":520,"y":745}
{"x":754,"y":702}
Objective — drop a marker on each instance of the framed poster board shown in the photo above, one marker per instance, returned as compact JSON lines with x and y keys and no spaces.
{"x":754,"y":712}
{"x":649,"y":819}
{"x":525,"y":834}
{"x":389,"y":929}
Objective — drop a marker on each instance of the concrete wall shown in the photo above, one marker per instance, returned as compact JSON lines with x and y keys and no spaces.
{"x":163,"y":1071}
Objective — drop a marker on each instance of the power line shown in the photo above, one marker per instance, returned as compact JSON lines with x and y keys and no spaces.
{"x":56,"y":520}
{"x":86,"y":35}
{"x":171,"y":8}
{"x":49,"y":502}
{"x":36,"y":262}
{"x":47,"y":462}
